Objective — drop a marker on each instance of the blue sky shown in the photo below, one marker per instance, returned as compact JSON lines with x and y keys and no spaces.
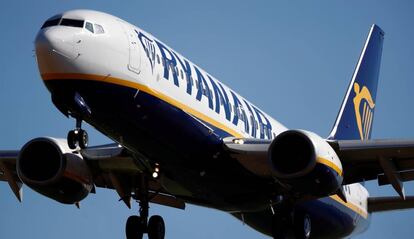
{"x":293,"y":59}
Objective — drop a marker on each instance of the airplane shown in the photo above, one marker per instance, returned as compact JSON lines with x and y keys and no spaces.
{"x":183,"y":137}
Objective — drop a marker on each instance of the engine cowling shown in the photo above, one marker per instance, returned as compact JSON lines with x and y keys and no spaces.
{"x":305,"y":163}
{"x":49,"y":167}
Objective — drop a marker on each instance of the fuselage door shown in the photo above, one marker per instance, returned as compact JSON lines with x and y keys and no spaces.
{"x":134,"y":63}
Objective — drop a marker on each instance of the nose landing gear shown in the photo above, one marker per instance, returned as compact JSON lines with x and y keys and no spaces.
{"x":78,"y":136}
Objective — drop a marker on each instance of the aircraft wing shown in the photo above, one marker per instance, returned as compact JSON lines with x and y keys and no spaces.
{"x":112,"y":167}
{"x":376,"y":159}
{"x":388,"y":161}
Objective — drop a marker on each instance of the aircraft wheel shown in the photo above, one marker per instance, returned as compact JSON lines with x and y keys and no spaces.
{"x":156,"y":227}
{"x":134,"y":228}
{"x":72,"y":139}
{"x":83,"y":138}
{"x":303,"y":226}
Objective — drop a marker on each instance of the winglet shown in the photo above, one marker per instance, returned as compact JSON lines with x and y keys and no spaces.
{"x":356,"y":114}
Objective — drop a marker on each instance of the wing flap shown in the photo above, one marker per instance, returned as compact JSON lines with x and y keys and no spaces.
{"x":361,"y":159}
{"x":404,"y":176}
{"x":381,"y":204}
{"x":8,"y":172}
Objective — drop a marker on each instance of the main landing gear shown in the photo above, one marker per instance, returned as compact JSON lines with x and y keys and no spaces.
{"x":78,"y":136}
{"x":288,"y":222}
{"x":136,"y":226}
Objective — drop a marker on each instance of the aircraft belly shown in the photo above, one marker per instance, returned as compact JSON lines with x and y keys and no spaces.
{"x":190,"y":154}
{"x":329,"y":219}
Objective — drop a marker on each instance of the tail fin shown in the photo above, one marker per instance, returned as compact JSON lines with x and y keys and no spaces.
{"x":356,"y":115}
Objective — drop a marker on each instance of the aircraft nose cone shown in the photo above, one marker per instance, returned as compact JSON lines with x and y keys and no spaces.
{"x":55,"y":50}
{"x":55,"y":41}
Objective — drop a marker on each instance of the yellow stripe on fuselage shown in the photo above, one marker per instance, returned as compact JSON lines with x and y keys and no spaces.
{"x":329,"y":164}
{"x":351,"y":206}
{"x":144,"y":88}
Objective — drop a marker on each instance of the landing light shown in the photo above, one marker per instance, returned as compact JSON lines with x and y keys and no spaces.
{"x":238,"y":141}
{"x":156,"y":172}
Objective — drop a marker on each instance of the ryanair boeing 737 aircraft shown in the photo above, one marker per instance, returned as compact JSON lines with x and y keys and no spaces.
{"x":182,"y":137}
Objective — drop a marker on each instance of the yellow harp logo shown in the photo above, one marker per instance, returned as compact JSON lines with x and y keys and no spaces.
{"x":364,"y":109}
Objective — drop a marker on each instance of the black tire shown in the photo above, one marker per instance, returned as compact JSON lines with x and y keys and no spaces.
{"x":134,"y":228}
{"x":156,"y":227}
{"x":72,"y":139}
{"x":83,"y":139}
{"x":302,"y":225}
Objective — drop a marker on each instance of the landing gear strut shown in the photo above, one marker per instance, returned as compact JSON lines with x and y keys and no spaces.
{"x":136,"y":226}
{"x":78,"y":136}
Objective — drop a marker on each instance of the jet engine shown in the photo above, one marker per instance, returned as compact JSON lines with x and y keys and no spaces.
{"x":50,"y":168}
{"x":305,"y":163}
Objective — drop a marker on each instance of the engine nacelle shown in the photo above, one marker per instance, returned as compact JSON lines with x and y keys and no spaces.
{"x":49,"y":167}
{"x":305,"y":163}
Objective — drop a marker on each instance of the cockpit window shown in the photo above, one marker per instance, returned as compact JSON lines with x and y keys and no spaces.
{"x":89,"y":26}
{"x":72,"y":22}
{"x":99,"y":29}
{"x":52,"y":22}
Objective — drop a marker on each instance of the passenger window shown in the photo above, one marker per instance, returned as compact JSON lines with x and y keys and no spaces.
{"x":99,"y":29}
{"x":89,"y":26}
